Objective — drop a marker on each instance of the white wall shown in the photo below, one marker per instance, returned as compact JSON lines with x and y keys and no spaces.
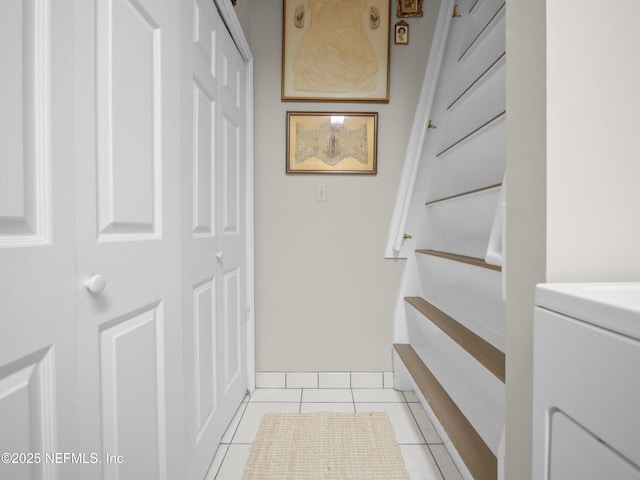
{"x":573,"y":169}
{"x":526,"y":227}
{"x":325,"y":295}
{"x":593,"y":123}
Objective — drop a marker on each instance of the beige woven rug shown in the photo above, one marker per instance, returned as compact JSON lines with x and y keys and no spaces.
{"x":336,"y":446}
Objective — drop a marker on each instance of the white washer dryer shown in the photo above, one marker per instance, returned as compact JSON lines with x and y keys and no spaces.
{"x":586,"y":382}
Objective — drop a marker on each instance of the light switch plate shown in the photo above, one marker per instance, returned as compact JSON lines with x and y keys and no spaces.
{"x":321,"y":192}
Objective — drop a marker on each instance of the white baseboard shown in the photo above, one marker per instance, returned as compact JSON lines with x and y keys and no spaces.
{"x":324,"y":380}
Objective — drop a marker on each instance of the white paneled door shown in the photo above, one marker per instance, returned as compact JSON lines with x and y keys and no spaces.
{"x":38,"y":374}
{"x":130,"y":331}
{"x":215,"y":303}
{"x":123,"y":242}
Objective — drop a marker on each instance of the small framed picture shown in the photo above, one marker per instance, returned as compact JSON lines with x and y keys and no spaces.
{"x":332,"y":142}
{"x":402,"y":33}
{"x":409,"y":8}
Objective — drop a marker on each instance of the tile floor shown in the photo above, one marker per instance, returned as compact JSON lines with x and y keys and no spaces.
{"x":424,"y":455}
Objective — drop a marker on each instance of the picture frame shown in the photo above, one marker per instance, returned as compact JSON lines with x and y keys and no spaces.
{"x":409,"y":8}
{"x":401,"y":33}
{"x":321,"y":65}
{"x":332,"y":143}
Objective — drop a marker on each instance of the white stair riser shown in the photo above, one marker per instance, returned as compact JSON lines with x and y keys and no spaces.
{"x":462,"y":224}
{"x":475,"y":390}
{"x":473,"y":164}
{"x":471,"y":295}
{"x":484,"y":103}
{"x":476,"y":21}
{"x":475,"y":67}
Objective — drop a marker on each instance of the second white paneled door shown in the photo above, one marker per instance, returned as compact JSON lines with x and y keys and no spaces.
{"x":214,"y":119}
{"x":128,"y":232}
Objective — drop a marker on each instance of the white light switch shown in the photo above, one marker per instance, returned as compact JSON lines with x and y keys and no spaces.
{"x":321,"y":192}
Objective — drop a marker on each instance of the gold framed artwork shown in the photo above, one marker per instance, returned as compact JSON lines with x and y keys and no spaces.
{"x":409,"y":8}
{"x":332,"y":142}
{"x":336,"y":51}
{"x":401,"y":36}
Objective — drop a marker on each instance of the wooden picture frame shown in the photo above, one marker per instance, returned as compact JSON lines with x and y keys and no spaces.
{"x":409,"y":8}
{"x":320,"y":62}
{"x":401,"y":33}
{"x":332,"y":142}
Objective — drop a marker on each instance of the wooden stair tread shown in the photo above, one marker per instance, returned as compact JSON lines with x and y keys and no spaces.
{"x":488,"y":355}
{"x":463,"y":194}
{"x":475,"y":453}
{"x":477,"y":262}
{"x":476,"y":130}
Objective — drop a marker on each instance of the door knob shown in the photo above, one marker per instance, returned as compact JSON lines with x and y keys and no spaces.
{"x":219,"y":256}
{"x":96,"y":284}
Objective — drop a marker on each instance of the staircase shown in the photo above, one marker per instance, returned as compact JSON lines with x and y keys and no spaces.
{"x":449,"y":323}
